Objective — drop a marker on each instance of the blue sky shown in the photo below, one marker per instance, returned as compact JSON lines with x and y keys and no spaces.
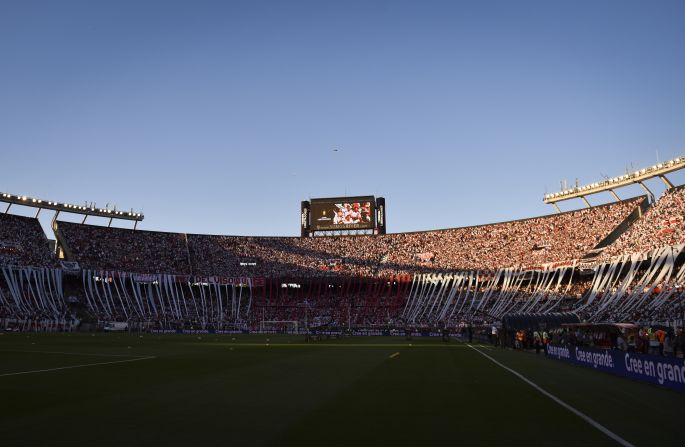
{"x":219,"y":117}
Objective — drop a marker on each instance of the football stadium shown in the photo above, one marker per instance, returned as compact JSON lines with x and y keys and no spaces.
{"x":348,"y":334}
{"x":329,"y":223}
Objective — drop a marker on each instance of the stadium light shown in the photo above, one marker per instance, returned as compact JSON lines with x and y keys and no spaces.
{"x":69,"y":208}
{"x":630,"y":178}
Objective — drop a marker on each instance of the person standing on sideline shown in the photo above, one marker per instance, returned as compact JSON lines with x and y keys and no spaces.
{"x":660,"y":336}
{"x":668,"y":344}
{"x":679,"y":343}
{"x":537,"y":341}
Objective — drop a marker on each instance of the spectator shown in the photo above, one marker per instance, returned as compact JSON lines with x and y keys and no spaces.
{"x":23,"y":242}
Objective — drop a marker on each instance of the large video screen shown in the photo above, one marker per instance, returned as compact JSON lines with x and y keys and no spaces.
{"x":343,"y":213}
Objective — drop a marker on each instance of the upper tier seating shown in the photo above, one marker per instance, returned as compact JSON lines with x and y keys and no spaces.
{"x":530,"y":242}
{"x":23,"y":242}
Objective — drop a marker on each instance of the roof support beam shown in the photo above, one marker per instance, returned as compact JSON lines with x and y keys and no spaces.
{"x":54,"y":220}
{"x":84,"y":219}
{"x":9,"y":205}
{"x":38,"y":213}
{"x":613,"y":193}
{"x":647,"y":189}
{"x":666,"y":181}
{"x":586,"y":202}
{"x":556,"y":207}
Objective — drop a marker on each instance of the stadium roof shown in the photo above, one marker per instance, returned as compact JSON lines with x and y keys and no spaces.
{"x":59,"y":207}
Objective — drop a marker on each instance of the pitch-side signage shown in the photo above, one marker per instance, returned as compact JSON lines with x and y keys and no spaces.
{"x":668,"y":372}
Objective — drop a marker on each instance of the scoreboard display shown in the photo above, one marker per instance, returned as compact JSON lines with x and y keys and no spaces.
{"x":343,"y":213}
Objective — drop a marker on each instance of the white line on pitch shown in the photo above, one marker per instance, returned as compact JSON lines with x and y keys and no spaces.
{"x":573,"y":410}
{"x":66,"y":353}
{"x":74,"y":366}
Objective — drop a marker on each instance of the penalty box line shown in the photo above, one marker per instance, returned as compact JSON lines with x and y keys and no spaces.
{"x":35,"y":371}
{"x":573,"y":410}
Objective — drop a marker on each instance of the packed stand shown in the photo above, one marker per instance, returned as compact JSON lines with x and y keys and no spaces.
{"x":529,"y":242}
{"x":286,"y":256}
{"x":102,"y":248}
{"x":23,"y":242}
{"x":661,"y":225}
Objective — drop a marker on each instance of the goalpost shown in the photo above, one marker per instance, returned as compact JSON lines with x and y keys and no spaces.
{"x":291,"y":327}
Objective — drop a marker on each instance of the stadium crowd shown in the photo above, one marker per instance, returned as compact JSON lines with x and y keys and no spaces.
{"x":663,"y":224}
{"x":125,"y":250}
{"x":529,"y":242}
{"x":523,"y":244}
{"x":23,"y":242}
{"x":285,"y":256}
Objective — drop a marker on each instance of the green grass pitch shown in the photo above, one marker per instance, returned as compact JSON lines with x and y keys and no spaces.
{"x":195,"y":390}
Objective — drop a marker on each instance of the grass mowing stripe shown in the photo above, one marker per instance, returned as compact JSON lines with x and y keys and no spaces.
{"x":573,"y":410}
{"x":75,"y":366}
